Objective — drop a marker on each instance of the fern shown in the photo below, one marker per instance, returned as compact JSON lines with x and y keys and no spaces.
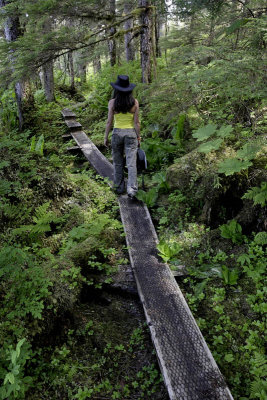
{"x":42,"y":223}
{"x":95,"y":228}
{"x":257,"y":194}
{"x":149,"y":197}
{"x":4,"y":164}
{"x":258,"y":388}
{"x":261,"y":238}
{"x":160,"y":179}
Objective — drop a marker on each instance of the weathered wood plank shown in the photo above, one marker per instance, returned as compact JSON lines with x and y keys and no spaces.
{"x":187,"y":365}
{"x":66,"y":136}
{"x":73,"y":125}
{"x":94,"y":156}
{"x":73,"y":148}
{"x":67,"y":113}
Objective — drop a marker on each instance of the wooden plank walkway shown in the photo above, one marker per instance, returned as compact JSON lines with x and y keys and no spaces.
{"x":188,"y":368}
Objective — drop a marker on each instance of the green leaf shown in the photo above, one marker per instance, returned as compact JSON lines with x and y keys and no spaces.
{"x":233,"y":165}
{"x":244,"y":258}
{"x":229,"y":357}
{"x":205,"y":132}
{"x":39,"y":148}
{"x":168,"y":250}
{"x":9,"y":378}
{"x":18,"y":347}
{"x":248,"y":152}
{"x":232,"y":231}
{"x":33,"y":141}
{"x":224,"y":131}
{"x":209,"y":146}
{"x":178,"y":131}
{"x":13,"y":356}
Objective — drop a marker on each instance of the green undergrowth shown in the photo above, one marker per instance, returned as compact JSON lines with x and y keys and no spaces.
{"x":61,"y":241}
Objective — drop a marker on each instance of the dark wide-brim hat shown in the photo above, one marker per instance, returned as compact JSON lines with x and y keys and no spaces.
{"x":122,"y":84}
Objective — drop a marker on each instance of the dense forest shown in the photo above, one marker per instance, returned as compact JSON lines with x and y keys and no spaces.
{"x":200,"y":71}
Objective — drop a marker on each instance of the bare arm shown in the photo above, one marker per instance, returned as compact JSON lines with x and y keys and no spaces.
{"x":136,"y":120}
{"x":109,"y":121}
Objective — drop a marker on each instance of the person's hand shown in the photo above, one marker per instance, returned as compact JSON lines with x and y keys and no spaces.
{"x":106,"y":143}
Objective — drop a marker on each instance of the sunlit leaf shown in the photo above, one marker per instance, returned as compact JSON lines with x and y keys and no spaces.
{"x":205,"y":132}
{"x":224,"y":131}
{"x":233,"y":165}
{"x":209,"y":146}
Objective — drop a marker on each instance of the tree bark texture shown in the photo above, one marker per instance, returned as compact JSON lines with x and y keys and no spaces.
{"x":71,"y":63}
{"x":82,"y":72}
{"x":128,"y":37}
{"x":157,"y":35}
{"x":97,"y":64}
{"x":48,"y":81}
{"x":112,"y":31}
{"x":12,"y":32}
{"x":146,"y":40}
{"x":81,"y":62}
{"x":71,"y":71}
{"x":48,"y":70}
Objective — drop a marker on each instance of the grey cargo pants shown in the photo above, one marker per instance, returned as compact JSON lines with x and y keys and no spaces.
{"x":124,"y":140}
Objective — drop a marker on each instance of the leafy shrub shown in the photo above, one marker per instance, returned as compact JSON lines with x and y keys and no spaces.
{"x":167,"y":250}
{"x":233,"y":231}
{"x":15,"y":384}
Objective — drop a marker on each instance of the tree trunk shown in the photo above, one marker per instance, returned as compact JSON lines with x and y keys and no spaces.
{"x":70,"y":24}
{"x":112,"y":31}
{"x":71,"y":71}
{"x":146,"y":40}
{"x":82,"y":72}
{"x":48,"y":79}
{"x":157,"y":35}
{"x":12,"y":32}
{"x":97,"y":64}
{"x":48,"y":69}
{"x":128,"y":37}
{"x":82,"y":65}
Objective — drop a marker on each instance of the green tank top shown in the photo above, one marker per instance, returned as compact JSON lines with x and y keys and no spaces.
{"x":124,"y":121}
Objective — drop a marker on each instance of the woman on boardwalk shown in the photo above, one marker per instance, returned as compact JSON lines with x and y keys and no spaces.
{"x":124,"y":110}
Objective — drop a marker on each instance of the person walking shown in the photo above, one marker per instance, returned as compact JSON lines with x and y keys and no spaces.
{"x":123,"y":109}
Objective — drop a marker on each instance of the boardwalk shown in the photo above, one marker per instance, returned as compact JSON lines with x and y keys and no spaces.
{"x":188,"y":368}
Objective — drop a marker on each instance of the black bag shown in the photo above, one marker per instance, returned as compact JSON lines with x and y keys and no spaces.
{"x":141,"y":161}
{"x":141,"y":164}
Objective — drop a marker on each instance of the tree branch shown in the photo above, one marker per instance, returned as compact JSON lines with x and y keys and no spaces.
{"x":244,"y":5}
